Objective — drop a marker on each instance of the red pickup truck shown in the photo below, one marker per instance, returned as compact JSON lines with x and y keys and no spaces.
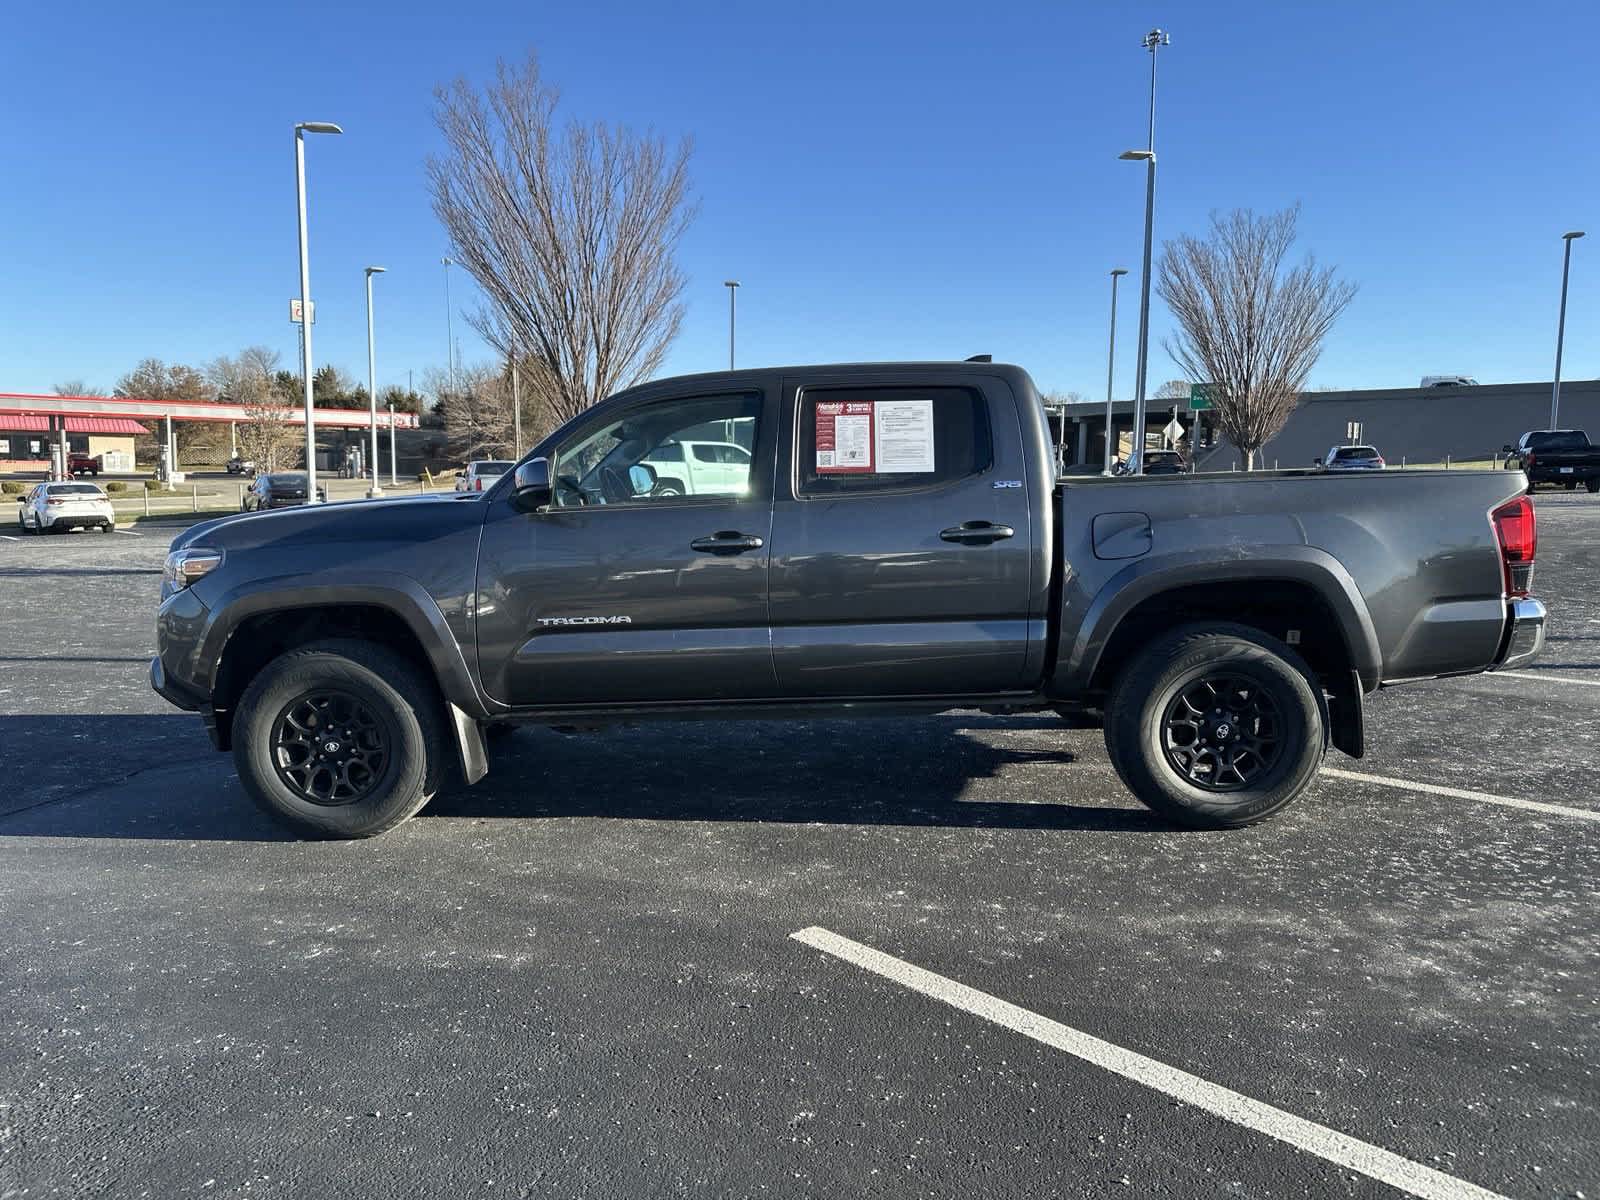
{"x":82,"y":464}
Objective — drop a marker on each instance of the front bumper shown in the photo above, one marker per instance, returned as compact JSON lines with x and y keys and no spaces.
{"x":1524,"y":637}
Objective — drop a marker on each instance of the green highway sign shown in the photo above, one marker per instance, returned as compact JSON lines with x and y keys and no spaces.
{"x":1199,"y":397}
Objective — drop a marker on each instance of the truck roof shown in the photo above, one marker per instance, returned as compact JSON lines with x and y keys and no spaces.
{"x":865,"y":370}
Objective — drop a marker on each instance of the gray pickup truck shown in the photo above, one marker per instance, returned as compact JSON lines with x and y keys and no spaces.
{"x":859,"y":540}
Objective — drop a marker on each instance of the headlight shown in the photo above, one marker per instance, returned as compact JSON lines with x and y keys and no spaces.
{"x":183,"y":567}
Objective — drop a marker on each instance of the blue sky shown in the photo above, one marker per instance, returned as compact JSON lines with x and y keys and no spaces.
{"x":887,"y":180}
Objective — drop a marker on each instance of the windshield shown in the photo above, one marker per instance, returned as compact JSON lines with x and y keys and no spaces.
{"x":1356,"y":452}
{"x":286,"y":481}
{"x":75,"y":489}
{"x":1559,"y":439}
{"x":491,"y":467}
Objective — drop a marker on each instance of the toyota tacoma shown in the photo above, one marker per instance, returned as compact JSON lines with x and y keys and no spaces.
{"x":897,"y":542}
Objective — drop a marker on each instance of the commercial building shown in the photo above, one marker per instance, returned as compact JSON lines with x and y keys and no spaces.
{"x":1418,"y":425}
{"x":25,"y":440}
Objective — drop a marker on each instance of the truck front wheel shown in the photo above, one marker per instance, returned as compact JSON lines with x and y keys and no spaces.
{"x":339,"y":739}
{"x":1215,"y":726}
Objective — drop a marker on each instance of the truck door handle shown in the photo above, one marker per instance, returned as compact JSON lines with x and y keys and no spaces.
{"x":727,"y":541}
{"x":977,"y":533}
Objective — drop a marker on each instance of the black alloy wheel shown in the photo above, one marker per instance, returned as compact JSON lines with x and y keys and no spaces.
{"x":330,"y":749}
{"x":1222,"y":732}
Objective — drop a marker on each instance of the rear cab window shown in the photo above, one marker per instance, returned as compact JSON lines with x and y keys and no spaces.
{"x":859,"y":440}
{"x":1565,"y":440}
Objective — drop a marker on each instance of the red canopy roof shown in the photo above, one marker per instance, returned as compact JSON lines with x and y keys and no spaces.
{"x":39,"y":423}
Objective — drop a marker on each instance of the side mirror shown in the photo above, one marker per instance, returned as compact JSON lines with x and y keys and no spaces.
{"x":530,"y":486}
{"x":642,"y":479}
{"x":1506,"y":449}
{"x":1316,"y":462}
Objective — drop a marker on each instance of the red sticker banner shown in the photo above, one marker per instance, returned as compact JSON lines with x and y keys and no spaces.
{"x":844,"y":437}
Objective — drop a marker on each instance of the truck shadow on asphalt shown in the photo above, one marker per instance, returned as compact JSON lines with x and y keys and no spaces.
{"x":155,"y":777}
{"x":913,"y":772}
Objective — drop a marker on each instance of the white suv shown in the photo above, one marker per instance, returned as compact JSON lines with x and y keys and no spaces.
{"x":700,"y":469}
{"x":58,"y":507}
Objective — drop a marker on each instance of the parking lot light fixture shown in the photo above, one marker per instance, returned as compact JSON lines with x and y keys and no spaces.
{"x":374,"y":489}
{"x":300,"y":131}
{"x":1152,"y":41}
{"x":1568,"y":238}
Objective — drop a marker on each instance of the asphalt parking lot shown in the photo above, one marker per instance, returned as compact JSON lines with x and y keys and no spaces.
{"x":580,"y":978}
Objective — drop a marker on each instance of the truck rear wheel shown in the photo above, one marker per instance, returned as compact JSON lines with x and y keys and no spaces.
{"x":1215,"y":726}
{"x":339,"y":739}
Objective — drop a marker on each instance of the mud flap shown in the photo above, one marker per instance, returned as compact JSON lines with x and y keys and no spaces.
{"x":1347,"y":718}
{"x":469,"y":743}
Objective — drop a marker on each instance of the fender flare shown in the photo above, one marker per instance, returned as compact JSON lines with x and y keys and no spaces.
{"x":395,"y":593}
{"x":1146,"y":578}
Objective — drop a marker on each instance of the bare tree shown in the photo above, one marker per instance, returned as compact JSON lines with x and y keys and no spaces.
{"x":570,"y":232}
{"x":1173,"y":389}
{"x":77,"y":387}
{"x":268,"y":438}
{"x":1245,"y":324}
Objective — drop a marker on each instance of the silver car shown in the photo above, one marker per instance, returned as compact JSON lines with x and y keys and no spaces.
{"x":58,"y":507}
{"x":480,"y":476}
{"x":1352,"y":458}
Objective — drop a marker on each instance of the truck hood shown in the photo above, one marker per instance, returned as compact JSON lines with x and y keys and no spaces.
{"x":410,"y":518}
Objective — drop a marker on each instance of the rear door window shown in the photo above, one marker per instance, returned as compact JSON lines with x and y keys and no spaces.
{"x":889,"y":439}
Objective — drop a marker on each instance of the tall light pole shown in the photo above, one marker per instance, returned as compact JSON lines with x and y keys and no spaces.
{"x":449,"y":325}
{"x":1561,"y":325}
{"x":1111,"y":364}
{"x":733,"y":290}
{"x":300,"y":131}
{"x":372,"y":385}
{"x":1152,"y":42}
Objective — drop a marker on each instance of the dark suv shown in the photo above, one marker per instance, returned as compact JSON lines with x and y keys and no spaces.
{"x":282,"y":490}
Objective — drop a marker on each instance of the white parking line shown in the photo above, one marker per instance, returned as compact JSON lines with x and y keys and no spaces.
{"x":1329,"y":1144}
{"x":7,"y":537}
{"x":129,"y":532}
{"x":1548,"y":678}
{"x":1434,"y":789}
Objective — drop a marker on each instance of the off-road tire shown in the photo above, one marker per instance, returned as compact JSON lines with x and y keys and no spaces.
{"x":1139,"y":705}
{"x":400,"y":698}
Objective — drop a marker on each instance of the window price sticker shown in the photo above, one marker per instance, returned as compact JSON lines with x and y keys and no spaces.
{"x":902,"y":433}
{"x":844,"y":437}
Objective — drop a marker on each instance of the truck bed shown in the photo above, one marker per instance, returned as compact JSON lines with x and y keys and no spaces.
{"x":1405,"y":562}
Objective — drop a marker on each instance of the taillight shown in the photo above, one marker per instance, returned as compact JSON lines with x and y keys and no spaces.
{"x":1518,"y":534}
{"x":1527,"y":461}
{"x":1379,"y":460}
{"x":55,"y":503}
{"x":477,"y":485}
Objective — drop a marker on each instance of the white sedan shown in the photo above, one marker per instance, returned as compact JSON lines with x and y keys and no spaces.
{"x":58,"y":507}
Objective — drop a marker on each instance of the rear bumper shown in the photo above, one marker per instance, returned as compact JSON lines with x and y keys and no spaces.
{"x":1524,"y":638}
{"x":1576,"y":473}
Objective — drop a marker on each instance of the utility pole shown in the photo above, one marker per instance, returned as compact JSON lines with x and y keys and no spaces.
{"x":1561,"y":326}
{"x":374,"y":489}
{"x":449,"y":326}
{"x":300,"y":131}
{"x":1111,"y":367}
{"x":733,"y":290}
{"x":516,"y":409}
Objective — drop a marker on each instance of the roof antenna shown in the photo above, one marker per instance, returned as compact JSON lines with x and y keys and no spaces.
{"x":981,"y":358}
